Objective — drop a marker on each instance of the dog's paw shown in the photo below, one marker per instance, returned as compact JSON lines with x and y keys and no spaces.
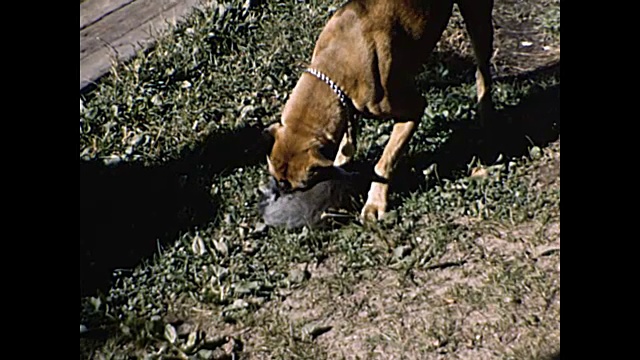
{"x":376,"y":205}
{"x":372,"y":212}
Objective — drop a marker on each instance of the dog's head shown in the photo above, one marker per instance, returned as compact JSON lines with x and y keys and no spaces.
{"x":294,"y":162}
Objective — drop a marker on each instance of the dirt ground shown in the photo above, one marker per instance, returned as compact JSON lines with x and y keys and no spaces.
{"x":455,"y":310}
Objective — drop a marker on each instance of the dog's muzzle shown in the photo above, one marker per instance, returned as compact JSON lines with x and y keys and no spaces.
{"x":284,"y":185}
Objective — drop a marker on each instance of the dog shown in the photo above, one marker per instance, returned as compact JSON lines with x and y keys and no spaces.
{"x":364,"y":63}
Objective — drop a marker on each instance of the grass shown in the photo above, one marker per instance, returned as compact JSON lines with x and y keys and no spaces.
{"x":171,"y":158}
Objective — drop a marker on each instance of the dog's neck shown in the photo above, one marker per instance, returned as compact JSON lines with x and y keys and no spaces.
{"x":315,"y":101}
{"x":342,"y":97}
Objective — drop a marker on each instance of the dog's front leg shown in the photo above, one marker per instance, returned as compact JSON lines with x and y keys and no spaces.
{"x":347,"y":147}
{"x":345,"y":151}
{"x":376,"y":204}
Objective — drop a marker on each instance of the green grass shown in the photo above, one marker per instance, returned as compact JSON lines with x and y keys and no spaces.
{"x":472,"y":243}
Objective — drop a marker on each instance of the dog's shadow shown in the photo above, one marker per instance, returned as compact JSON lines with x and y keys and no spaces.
{"x":128,"y":210}
{"x":512,"y":131}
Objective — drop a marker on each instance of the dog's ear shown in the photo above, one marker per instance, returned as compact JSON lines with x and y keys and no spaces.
{"x":269,"y":164}
{"x":269,"y":135}
{"x":271,"y":129}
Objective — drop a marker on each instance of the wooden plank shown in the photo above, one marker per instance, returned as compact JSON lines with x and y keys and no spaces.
{"x":119,"y":23}
{"x":121,"y":33}
{"x":94,"y":10}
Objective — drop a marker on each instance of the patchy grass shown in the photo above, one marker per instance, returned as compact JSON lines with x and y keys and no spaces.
{"x":175,"y":262}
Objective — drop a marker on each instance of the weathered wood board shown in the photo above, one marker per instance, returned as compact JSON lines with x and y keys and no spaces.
{"x":118,"y":28}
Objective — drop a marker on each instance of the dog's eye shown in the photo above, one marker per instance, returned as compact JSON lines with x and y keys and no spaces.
{"x":315,"y":170}
{"x":318,"y":173}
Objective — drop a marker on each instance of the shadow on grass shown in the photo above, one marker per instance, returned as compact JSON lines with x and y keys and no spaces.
{"x":128,"y":209}
{"x":535,"y":120}
{"x":555,"y":356}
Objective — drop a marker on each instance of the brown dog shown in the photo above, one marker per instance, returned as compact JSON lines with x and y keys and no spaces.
{"x":365,"y":62}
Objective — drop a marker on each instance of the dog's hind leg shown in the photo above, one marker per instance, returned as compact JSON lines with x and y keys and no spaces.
{"x":478,"y":20}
